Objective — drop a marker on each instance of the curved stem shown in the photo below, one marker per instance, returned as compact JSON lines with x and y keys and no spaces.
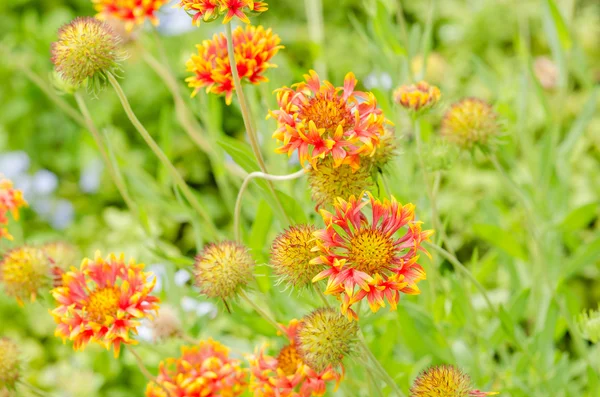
{"x":114,"y":173}
{"x":144,"y":370}
{"x":247,"y":115}
{"x":187,"y":338}
{"x":321,"y":295}
{"x":378,"y":367}
{"x":247,"y":180}
{"x":185,"y":189}
{"x":261,"y":312}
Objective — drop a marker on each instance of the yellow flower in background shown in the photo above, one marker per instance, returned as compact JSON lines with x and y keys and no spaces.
{"x":25,"y":273}
{"x":210,"y":10}
{"x":417,"y":97}
{"x":253,"y":46}
{"x":86,"y":49}
{"x":9,"y":365}
{"x":223,"y":269}
{"x":202,"y":370}
{"x":11,"y":200}
{"x":287,"y":374}
{"x":445,"y":381}
{"x":291,"y":253}
{"x":103,"y":301}
{"x":132,"y":12}
{"x":470,"y":122}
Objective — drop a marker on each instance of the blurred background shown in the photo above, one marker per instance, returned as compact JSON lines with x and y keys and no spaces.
{"x":536,"y":61}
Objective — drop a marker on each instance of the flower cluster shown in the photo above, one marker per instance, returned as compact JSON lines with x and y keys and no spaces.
{"x":202,"y":370}
{"x":443,"y":381}
{"x":417,"y":97}
{"x":103,"y":302}
{"x":11,"y":200}
{"x":86,"y":49}
{"x":253,"y":46}
{"x":209,"y":10}
{"x":288,"y":374}
{"x":364,"y":252}
{"x":132,"y":12}
{"x":25,"y":273}
{"x":317,"y":120}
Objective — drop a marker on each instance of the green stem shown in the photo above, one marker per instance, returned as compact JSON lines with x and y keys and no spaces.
{"x":321,"y":295}
{"x":378,"y":367}
{"x":185,"y":189}
{"x":247,"y":116}
{"x":140,"y":363}
{"x":114,"y":174}
{"x":238,"y":203}
{"x":261,"y":312}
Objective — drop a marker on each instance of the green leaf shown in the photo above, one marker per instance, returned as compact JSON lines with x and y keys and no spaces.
{"x":240,"y":153}
{"x":501,"y":239}
{"x":580,"y":217}
{"x":260,"y":228}
{"x":585,"y":255}
{"x":560,"y":25}
{"x":578,"y":128}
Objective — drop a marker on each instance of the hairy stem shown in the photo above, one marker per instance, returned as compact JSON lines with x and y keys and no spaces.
{"x":114,"y":173}
{"x":140,"y":363}
{"x":261,"y":312}
{"x":378,"y":367}
{"x":238,"y":203}
{"x":247,"y":115}
{"x":185,"y":189}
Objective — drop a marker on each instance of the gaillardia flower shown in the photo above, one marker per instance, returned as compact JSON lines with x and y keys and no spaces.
{"x":202,"y":370}
{"x":417,"y":97}
{"x":364,"y":257}
{"x":11,"y":200}
{"x":470,"y":122}
{"x":291,"y":253}
{"x":445,"y":381}
{"x":63,"y":256}
{"x":222,"y":269}
{"x":319,"y":120}
{"x":86,"y":49}
{"x":325,"y":337}
{"x":287,"y":374}
{"x":9,"y":365}
{"x":103,"y":302}
{"x":254,"y":47}
{"x":132,"y":12}
{"x":24,"y":273}
{"x":209,"y":10}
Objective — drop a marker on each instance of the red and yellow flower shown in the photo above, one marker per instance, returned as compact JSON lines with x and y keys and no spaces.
{"x":318,"y":120}
{"x":202,"y":370}
{"x":287,"y":375}
{"x":209,"y":10}
{"x":254,"y":47}
{"x":365,"y":257}
{"x":103,"y":302}
{"x":132,"y":12}
{"x":417,"y":97}
{"x":11,"y":200}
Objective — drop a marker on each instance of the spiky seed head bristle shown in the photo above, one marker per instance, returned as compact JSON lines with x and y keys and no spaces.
{"x":291,"y":253}
{"x":25,"y":273}
{"x":325,"y":337}
{"x":470,"y":122}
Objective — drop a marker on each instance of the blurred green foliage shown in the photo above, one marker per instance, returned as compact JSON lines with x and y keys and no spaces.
{"x":540,"y":275}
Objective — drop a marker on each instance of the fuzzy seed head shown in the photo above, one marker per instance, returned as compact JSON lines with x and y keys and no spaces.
{"x":325,"y":337}
{"x":470,"y":122}
{"x":417,"y":97}
{"x":328,"y":182}
{"x":386,"y":151}
{"x":167,"y":324}
{"x":291,"y":254}
{"x":444,"y":381}
{"x":86,"y":49}
{"x":25,"y":272}
{"x":9,"y":365}
{"x":63,"y":256}
{"x":222,"y":269}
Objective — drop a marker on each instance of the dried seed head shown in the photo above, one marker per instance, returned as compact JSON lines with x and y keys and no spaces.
{"x":85,"y":51}
{"x":9,"y":365}
{"x":325,"y":337}
{"x":444,"y":381}
{"x":470,"y":122}
{"x":167,"y":324}
{"x":25,"y":272}
{"x":291,"y":254}
{"x":222,"y":269}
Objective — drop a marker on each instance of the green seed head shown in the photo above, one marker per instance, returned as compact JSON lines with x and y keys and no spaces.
{"x":9,"y":364}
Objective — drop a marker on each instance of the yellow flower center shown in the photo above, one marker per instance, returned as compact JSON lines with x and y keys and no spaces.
{"x":102,"y":303}
{"x":326,"y":113}
{"x":370,"y":251}
{"x":288,"y":360}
